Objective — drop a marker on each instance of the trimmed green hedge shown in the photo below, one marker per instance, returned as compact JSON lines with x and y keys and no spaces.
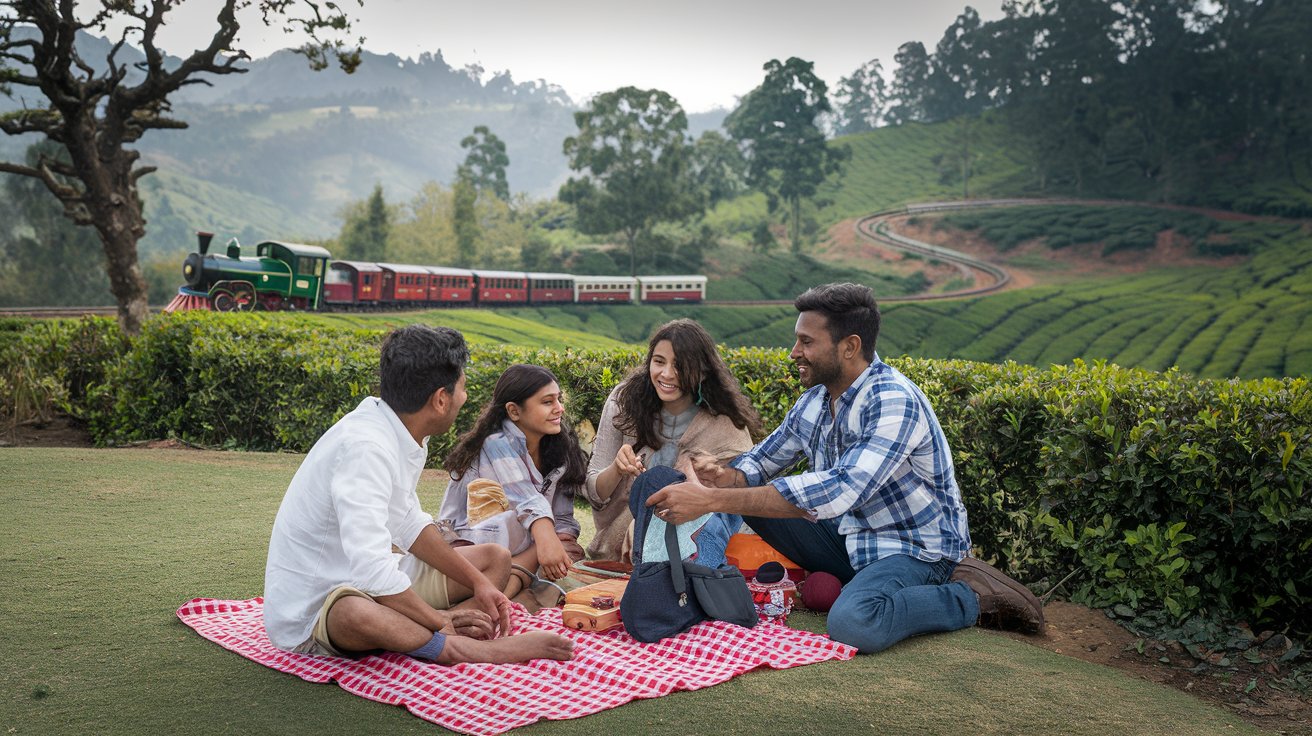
{"x":1153,"y":490}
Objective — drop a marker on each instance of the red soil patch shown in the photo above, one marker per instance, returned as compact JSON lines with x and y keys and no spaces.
{"x":1172,"y":250}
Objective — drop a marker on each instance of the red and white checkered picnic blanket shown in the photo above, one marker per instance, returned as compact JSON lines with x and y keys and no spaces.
{"x":608,"y":669}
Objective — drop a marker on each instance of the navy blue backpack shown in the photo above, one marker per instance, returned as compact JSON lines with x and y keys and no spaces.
{"x":667,"y":598}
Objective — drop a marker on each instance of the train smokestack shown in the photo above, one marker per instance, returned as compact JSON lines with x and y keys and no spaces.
{"x":204,"y":239}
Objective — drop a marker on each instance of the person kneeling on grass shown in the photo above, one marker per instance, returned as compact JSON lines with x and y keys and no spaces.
{"x":879,"y":507}
{"x":333,"y":584}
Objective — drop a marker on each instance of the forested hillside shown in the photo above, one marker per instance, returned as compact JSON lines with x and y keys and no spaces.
{"x":278,"y":151}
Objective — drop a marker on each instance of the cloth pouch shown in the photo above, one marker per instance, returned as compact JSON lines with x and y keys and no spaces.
{"x":486,"y":499}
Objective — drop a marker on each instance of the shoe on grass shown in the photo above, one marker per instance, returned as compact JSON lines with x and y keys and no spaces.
{"x":1003,"y":602}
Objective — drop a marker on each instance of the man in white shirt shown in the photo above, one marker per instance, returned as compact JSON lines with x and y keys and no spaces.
{"x":333,"y":584}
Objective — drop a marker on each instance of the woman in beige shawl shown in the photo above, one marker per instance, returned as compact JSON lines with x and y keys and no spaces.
{"x":680,"y":403}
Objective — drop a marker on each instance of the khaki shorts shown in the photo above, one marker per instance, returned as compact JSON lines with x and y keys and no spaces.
{"x":427,"y":582}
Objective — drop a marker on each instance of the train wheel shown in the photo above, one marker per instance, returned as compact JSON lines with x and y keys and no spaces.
{"x":244,"y":296}
{"x":223,"y":301}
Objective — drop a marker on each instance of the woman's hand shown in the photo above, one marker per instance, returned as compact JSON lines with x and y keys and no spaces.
{"x":573,"y":549}
{"x":552,"y":558}
{"x":627,"y":462}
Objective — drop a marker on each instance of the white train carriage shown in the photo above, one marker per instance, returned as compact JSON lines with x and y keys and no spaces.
{"x":616,"y":289}
{"x":654,"y":289}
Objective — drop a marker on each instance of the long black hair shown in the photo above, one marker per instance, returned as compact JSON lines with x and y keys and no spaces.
{"x":516,"y":385}
{"x":702,"y":375}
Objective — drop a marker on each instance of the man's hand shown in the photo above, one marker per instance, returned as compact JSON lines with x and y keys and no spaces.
{"x":713,"y":474}
{"x":495,"y":604}
{"x":471,"y":623}
{"x":627,"y":462}
{"x":680,"y":502}
{"x":553,"y":559}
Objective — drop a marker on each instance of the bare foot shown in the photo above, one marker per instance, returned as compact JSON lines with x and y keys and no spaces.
{"x":518,"y":648}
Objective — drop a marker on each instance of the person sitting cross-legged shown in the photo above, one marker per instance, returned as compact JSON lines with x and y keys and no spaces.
{"x":333,"y":584}
{"x":878,"y":508}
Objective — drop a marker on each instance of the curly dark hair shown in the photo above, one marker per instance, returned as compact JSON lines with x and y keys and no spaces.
{"x":516,"y":385}
{"x":702,"y":373}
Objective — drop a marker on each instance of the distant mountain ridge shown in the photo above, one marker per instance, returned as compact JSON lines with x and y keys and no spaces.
{"x":285,"y":75}
{"x":307,"y":142}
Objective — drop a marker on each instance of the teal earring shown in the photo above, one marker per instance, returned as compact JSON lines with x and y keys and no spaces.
{"x":700,"y":399}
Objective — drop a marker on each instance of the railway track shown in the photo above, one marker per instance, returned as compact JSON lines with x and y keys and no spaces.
{"x":875,"y":227}
{"x":987,"y":277}
{"x":55,"y":312}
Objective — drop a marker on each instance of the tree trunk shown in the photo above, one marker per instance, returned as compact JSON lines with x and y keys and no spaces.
{"x":632,"y":236}
{"x":116,"y":212}
{"x":125,"y":280}
{"x":795,"y":227}
{"x":965,"y":158}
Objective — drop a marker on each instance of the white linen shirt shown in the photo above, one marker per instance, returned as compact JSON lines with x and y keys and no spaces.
{"x":352,"y":499}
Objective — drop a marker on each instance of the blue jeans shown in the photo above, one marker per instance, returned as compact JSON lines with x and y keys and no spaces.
{"x":714,"y":538}
{"x":887,"y":601}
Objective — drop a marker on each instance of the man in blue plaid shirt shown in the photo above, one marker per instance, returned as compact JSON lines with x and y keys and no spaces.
{"x":879,"y":506}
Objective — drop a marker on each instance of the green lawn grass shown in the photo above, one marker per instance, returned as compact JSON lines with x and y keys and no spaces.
{"x":98,"y":548}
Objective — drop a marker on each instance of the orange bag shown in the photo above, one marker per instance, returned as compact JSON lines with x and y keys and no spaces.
{"x":748,"y":552}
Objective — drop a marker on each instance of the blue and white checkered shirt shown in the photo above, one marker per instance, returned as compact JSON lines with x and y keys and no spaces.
{"x":880,"y":464}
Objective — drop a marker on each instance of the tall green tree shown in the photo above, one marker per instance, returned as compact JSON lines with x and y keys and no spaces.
{"x":957,"y":90}
{"x":910,"y":84}
{"x":788,"y":156}
{"x":633,"y":158}
{"x":464,"y":219}
{"x":718,"y":167}
{"x":485,"y":163}
{"x":366,"y":231}
{"x":1066,"y":98}
{"x":97,"y":108}
{"x":861,"y":99}
{"x":1266,"y":66}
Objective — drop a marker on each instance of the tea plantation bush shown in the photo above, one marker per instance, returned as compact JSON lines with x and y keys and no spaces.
{"x":1152,"y":490}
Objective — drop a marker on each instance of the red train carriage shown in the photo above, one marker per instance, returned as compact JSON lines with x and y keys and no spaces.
{"x":501,"y":287}
{"x":550,"y":288}
{"x":617,"y":289}
{"x":404,"y":285}
{"x":672,"y":288}
{"x":450,"y":286}
{"x":353,"y":284}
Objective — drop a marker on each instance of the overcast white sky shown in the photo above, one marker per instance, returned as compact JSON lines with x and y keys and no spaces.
{"x":704,"y":52}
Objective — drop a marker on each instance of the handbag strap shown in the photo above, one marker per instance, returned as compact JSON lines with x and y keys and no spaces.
{"x":676,"y":564}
